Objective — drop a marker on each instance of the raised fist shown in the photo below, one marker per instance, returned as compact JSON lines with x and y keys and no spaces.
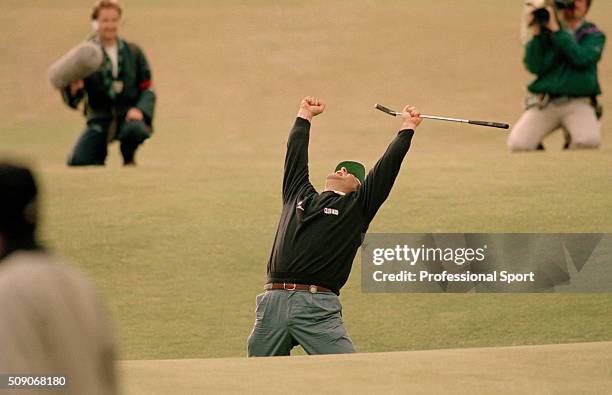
{"x":310,"y":107}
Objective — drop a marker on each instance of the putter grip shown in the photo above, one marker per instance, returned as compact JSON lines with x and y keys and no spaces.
{"x":384,"y":109}
{"x":490,"y":124}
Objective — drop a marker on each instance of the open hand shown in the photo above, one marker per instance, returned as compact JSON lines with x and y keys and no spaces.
{"x":553,"y":22}
{"x":535,"y":27}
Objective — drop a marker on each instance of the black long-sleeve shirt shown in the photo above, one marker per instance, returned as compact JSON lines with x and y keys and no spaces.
{"x":319,"y":234}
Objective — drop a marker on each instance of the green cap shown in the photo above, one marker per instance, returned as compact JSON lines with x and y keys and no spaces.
{"x":354,"y":168}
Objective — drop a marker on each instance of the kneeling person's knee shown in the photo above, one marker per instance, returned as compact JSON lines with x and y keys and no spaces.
{"x":516,"y":144}
{"x":90,"y":148}
{"x":135,"y":131}
{"x":586,"y":142}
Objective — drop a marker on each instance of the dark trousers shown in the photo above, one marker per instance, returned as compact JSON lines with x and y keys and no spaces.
{"x":91,"y":147}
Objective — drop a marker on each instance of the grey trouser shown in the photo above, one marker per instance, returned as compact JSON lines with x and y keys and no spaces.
{"x":576,"y":116}
{"x":285,"y":319}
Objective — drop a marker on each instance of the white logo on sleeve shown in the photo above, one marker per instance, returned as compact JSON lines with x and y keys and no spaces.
{"x":331,"y":211}
{"x":299,"y":205}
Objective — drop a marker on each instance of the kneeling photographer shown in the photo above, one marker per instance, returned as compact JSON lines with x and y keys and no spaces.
{"x":563,"y":54}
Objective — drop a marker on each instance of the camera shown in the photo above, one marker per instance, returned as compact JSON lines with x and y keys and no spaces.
{"x":541,"y":16}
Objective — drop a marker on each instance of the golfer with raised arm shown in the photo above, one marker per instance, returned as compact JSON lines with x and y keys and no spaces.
{"x":316,"y":241}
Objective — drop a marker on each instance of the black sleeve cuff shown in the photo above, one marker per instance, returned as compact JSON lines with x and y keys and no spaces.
{"x":299,"y":121}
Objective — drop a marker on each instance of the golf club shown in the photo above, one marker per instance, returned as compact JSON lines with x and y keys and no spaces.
{"x":481,"y":123}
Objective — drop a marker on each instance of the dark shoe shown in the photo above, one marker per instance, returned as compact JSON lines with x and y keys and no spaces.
{"x":128,"y":151}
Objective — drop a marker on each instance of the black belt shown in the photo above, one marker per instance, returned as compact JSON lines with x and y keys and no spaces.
{"x":295,"y":287}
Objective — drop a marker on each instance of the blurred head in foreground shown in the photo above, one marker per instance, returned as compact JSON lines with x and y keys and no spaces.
{"x":53,"y":323}
{"x":18,"y":209}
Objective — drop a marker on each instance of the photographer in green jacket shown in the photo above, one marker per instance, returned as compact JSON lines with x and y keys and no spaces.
{"x":119,"y":97}
{"x":563,"y":54}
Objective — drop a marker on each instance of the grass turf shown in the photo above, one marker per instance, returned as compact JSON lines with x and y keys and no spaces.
{"x":582,"y":368}
{"x":178,"y":246}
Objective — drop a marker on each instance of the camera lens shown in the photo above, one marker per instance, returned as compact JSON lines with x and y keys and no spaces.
{"x":541,"y":16}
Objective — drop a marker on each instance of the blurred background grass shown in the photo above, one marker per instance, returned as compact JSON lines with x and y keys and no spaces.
{"x":179,"y":245}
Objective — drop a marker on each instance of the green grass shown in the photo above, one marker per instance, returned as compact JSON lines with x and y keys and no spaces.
{"x":582,"y":368}
{"x":179,"y":245}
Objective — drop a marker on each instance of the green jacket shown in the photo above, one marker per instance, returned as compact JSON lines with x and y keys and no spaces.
{"x":134,"y":78}
{"x":565,"y":63}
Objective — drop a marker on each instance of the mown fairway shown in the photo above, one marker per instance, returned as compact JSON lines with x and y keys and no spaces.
{"x":179,"y":245}
{"x":580,"y":368}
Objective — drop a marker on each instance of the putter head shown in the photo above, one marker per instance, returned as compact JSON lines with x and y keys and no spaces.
{"x":385,"y":109}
